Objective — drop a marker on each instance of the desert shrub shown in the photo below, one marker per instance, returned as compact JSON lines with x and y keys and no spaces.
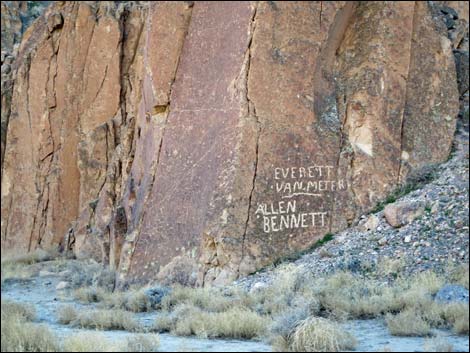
{"x":24,"y":311}
{"x":390,"y":267}
{"x":91,"y":274}
{"x":289,"y":284}
{"x":38,"y":255}
{"x":106,"y":320}
{"x":89,"y":294}
{"x":319,"y":335}
{"x":407,"y":323}
{"x":66,"y":314}
{"x":187,"y":320}
{"x":283,"y":325}
{"x":143,"y":343}
{"x":344,"y":296}
{"x":456,"y":316}
{"x":459,"y":274}
{"x":164,"y":322}
{"x":18,"y":335}
{"x":97,"y":342}
{"x":134,"y":300}
{"x":209,"y":299}
{"x":102,"y":320}
{"x":18,"y":266}
{"x":90,"y":342}
{"x":138,"y":302}
{"x":437,"y":344}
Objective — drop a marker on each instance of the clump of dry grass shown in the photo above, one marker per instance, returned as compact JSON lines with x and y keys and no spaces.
{"x":106,"y":320}
{"x":390,"y":267}
{"x":18,"y":266}
{"x":97,"y":319}
{"x":289,"y":290}
{"x":345,"y":296}
{"x":236,"y":322}
{"x":134,"y":300}
{"x":18,"y":335}
{"x":38,"y":255}
{"x":11,"y":308}
{"x":456,"y":315}
{"x":459,"y":274}
{"x":164,"y":322}
{"x":407,"y":323}
{"x":97,"y":342}
{"x":89,"y":342}
{"x":316,"y":335}
{"x":89,"y":294}
{"x":143,"y":343}
{"x":438,"y":344}
{"x":208,"y":299}
{"x":91,"y":274}
{"x":66,"y":314}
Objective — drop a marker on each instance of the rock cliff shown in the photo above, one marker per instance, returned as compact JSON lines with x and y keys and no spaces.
{"x":198,"y":142}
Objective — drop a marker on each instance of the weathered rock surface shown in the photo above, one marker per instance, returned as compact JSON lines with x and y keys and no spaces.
{"x":200,"y":142}
{"x":401,"y":213}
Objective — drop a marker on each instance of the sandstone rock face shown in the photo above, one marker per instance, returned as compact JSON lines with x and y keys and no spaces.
{"x":199,"y":142}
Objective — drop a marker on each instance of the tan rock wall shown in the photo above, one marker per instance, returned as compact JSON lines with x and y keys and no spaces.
{"x":200,"y":142}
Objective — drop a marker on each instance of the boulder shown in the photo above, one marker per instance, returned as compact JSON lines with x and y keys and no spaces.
{"x":400,"y":213}
{"x":452,"y":293}
{"x":156,"y":294}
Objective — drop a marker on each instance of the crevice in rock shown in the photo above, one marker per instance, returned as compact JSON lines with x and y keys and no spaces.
{"x":5,"y":234}
{"x":338,"y":158}
{"x":321,"y":12}
{"x":101,"y":84}
{"x":251,"y":114}
{"x":28,"y":113}
{"x":326,"y":84}
{"x":402,"y":126}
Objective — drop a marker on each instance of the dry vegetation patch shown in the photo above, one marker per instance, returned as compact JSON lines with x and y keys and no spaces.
{"x":236,"y":322}
{"x":98,"y":319}
{"x":316,"y":335}
{"x":97,"y":342}
{"x":18,"y":334}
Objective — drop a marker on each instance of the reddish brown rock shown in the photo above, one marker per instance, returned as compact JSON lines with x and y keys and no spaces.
{"x":199,"y":136}
{"x":432,"y":102}
{"x":199,"y":143}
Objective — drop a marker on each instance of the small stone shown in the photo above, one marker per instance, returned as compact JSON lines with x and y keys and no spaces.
{"x":44,"y":273}
{"x":407,"y":239}
{"x":62,"y":285}
{"x":382,"y":241}
{"x":371,"y":224}
{"x":258,"y":286}
{"x":65,"y":273}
